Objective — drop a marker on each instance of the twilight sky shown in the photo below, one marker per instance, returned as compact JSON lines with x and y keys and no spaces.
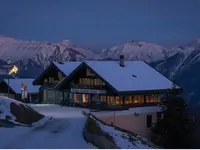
{"x":101,"y":23}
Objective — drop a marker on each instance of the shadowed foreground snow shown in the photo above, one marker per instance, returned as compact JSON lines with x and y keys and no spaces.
{"x":64,"y":131}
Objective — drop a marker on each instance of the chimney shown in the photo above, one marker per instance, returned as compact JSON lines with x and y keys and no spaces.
{"x":121,"y":60}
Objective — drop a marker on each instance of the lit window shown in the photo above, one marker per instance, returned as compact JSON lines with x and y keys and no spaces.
{"x":103,"y":99}
{"x":76,"y":98}
{"x":153,"y":98}
{"x":84,"y":98}
{"x":147,"y":99}
{"x":136,"y":99}
{"x":118,"y":100}
{"x":128,"y":100}
{"x":142,"y":99}
{"x":111,"y":99}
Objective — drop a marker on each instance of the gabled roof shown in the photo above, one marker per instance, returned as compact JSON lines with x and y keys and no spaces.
{"x":134,"y":76}
{"x":65,"y":67}
{"x":15,"y":85}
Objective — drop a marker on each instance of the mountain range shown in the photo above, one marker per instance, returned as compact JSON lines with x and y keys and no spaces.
{"x":180,"y":63}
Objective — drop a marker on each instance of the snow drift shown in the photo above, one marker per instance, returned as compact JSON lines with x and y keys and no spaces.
{"x":19,"y":113}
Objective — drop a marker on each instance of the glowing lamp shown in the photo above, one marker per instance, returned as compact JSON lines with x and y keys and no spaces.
{"x":13,"y":70}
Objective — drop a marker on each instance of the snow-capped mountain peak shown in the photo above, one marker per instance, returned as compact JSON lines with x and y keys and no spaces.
{"x":134,"y":50}
{"x":42,"y":52}
{"x":65,"y":42}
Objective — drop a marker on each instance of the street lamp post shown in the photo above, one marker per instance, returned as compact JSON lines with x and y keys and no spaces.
{"x":12,"y":71}
{"x":8,"y":86}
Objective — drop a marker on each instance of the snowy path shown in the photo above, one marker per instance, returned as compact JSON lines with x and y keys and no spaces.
{"x":64,"y":131}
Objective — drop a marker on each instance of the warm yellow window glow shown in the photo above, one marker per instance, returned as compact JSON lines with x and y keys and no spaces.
{"x":147,"y":99}
{"x":118,"y":100}
{"x":153,"y":98}
{"x":84,"y":98}
{"x":142,"y":99}
{"x":136,"y":99}
{"x":103,"y":99}
{"x":76,"y":98}
{"x":110,"y":99}
{"x":128,"y":100}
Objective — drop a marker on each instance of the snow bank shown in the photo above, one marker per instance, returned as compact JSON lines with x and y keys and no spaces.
{"x":41,"y":105}
{"x":19,"y":113}
{"x":42,"y":121}
{"x":126,"y":140}
{"x":5,"y":110}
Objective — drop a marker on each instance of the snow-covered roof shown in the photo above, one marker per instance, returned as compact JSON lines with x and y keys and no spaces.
{"x":134,"y":76}
{"x":67,"y":67}
{"x":15,"y":85}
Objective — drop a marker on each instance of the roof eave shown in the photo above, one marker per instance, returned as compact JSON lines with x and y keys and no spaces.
{"x":178,"y":90}
{"x":35,"y":82}
{"x":59,"y":86}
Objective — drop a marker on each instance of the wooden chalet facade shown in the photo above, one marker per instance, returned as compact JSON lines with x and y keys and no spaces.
{"x":52,"y":76}
{"x":112,"y":85}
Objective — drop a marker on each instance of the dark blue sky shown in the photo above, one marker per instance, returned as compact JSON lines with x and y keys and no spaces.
{"x":101,"y":23}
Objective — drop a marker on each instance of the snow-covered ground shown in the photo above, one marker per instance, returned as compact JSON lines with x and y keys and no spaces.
{"x":5,"y":110}
{"x":6,"y":113}
{"x":65,"y":130}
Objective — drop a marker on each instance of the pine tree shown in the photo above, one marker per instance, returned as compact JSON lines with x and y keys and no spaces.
{"x":173,"y":130}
